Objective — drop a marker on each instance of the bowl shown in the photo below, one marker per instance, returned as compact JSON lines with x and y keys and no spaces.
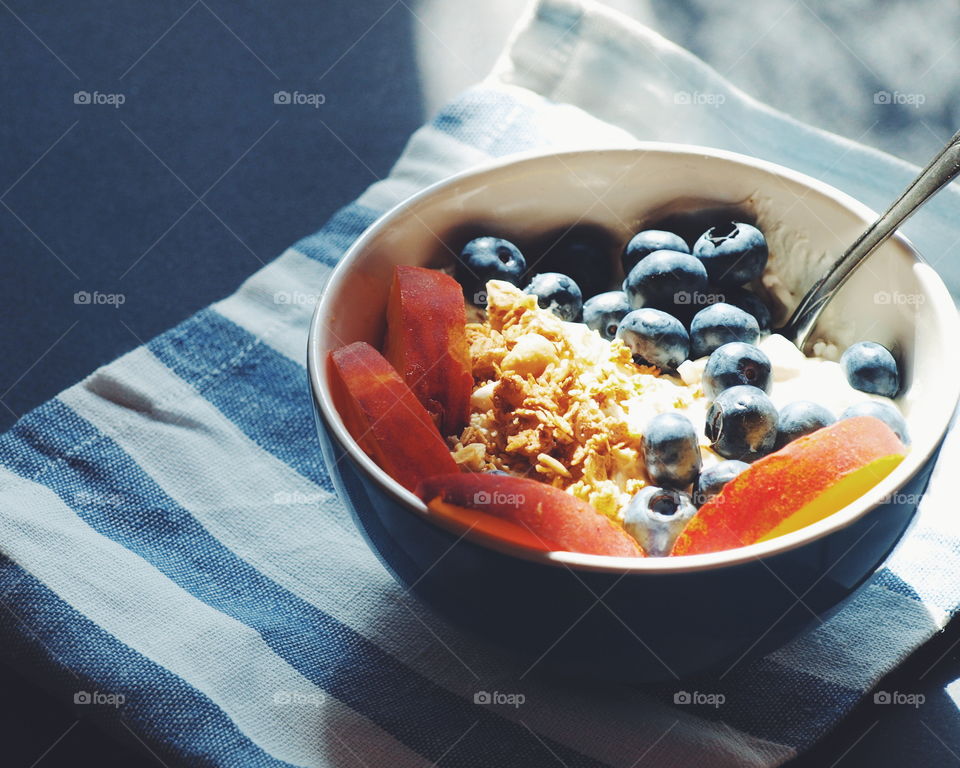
{"x":653,"y":618}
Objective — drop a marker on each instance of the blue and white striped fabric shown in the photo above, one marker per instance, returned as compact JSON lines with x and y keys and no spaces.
{"x":174,"y":557}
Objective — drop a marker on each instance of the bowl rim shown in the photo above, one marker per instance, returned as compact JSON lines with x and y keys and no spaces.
{"x":918,"y":456}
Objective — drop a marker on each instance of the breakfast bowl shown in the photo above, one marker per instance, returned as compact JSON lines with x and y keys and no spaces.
{"x":645,"y":618}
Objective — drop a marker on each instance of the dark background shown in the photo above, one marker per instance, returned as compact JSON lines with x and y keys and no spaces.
{"x":111,"y":204}
{"x":101,"y":199}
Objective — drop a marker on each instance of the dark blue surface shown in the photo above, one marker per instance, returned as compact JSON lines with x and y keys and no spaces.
{"x":99,"y":212}
{"x":88,"y":206}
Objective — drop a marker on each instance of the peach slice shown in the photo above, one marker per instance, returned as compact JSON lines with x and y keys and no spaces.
{"x":385,"y":417}
{"x":427,"y":343}
{"x":555,"y":519}
{"x":798,"y":485}
{"x":491,"y":527}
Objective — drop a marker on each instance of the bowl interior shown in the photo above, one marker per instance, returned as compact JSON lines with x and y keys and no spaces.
{"x":895,"y":299}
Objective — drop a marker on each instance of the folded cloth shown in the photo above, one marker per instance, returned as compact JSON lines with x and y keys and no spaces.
{"x":175,"y":560}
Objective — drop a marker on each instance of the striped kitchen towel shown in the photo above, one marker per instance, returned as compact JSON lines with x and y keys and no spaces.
{"x":175,"y":560}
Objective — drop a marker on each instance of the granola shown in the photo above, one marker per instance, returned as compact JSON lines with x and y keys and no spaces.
{"x":555,"y":401}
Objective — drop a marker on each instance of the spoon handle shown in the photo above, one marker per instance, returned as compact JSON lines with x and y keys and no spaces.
{"x":940,"y":171}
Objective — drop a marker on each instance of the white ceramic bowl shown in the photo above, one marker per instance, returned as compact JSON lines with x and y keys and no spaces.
{"x":896,"y":299}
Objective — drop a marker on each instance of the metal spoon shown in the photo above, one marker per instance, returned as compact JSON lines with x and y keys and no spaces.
{"x":940,"y":172}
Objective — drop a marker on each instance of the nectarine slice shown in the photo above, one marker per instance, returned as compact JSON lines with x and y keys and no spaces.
{"x":491,"y":527}
{"x":803,"y":482}
{"x":555,"y":518}
{"x":385,"y":417}
{"x":846,"y":490}
{"x":427,"y":343}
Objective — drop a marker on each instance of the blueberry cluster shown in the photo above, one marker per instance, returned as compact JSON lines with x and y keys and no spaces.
{"x":665,"y":283}
{"x":655,"y":314}
{"x":742,"y":425}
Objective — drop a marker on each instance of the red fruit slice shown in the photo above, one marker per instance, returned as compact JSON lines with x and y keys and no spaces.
{"x":802,"y":483}
{"x":492,"y":527}
{"x":560,"y":520}
{"x":427,"y":343}
{"x":385,"y":417}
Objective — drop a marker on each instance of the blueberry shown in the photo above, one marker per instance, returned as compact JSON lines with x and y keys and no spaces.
{"x":584,"y":253}
{"x":656,"y":516}
{"x":712,"y":479}
{"x":655,"y":338}
{"x":886,"y":412}
{"x":736,"y":363}
{"x":734,"y":253}
{"x":742,"y":423}
{"x":671,"y":451}
{"x":558,"y":293}
{"x":720,"y":324}
{"x":871,"y":368}
{"x":644,"y":243}
{"x":487,"y":258}
{"x":496,"y":472}
{"x":604,"y":312}
{"x":666,"y":280}
{"x":752,"y":304}
{"x":800,"y":418}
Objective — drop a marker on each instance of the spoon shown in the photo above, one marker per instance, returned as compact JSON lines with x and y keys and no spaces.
{"x":940,"y":172}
